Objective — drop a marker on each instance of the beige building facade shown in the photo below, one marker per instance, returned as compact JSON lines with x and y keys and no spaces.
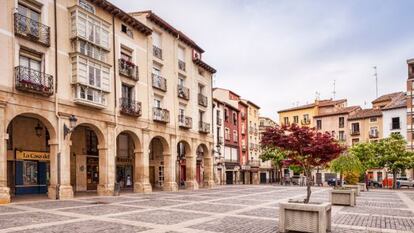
{"x":92,"y":97}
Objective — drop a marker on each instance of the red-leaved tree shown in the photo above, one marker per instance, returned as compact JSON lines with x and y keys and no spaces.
{"x":304,"y":147}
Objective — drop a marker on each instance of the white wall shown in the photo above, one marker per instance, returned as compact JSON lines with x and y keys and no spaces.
{"x":387,"y":116}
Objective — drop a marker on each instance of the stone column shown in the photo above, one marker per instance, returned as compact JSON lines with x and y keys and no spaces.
{"x":141,"y":171}
{"x":65,"y":189}
{"x":52,"y":189}
{"x":107,"y":164}
{"x":208,"y":172}
{"x":190,"y":171}
{"x":170,"y":157}
{"x":4,"y":190}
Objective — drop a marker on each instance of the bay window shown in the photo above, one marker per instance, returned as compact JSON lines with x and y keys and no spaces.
{"x":89,"y":28}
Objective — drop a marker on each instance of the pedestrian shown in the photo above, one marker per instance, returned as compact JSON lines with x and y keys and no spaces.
{"x":128,"y":181}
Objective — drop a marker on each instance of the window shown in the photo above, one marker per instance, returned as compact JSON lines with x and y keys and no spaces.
{"x":181,"y":80}
{"x":226,"y":115}
{"x":85,"y":5}
{"x":306,"y":117}
{"x":200,"y":88}
{"x":201,"y":115}
{"x":296,"y":119}
{"x":181,"y":54}
{"x":355,"y":128}
{"x":125,"y":29}
{"x":91,"y":142}
{"x":341,"y":122}
{"x":235,"y":136}
{"x":333,"y":133}
{"x":286,"y":120}
{"x":395,"y":123}
{"x":373,"y":131}
{"x":157,"y":102}
{"x":90,"y":50}
{"x":227,"y":133}
{"x":31,"y":27}
{"x":234,"y":118}
{"x":90,"y":28}
{"x":373,"y":119}
{"x":355,"y":141}
{"x":341,"y":135}
{"x":318,"y":124}
{"x":127,"y":92}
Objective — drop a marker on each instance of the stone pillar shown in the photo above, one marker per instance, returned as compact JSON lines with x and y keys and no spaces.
{"x":170,"y":157}
{"x":141,"y":170}
{"x":65,"y":189}
{"x":255,"y":177}
{"x":4,"y":190}
{"x":107,"y":164}
{"x":208,"y":172}
{"x":191,"y":167}
{"x":53,"y":180}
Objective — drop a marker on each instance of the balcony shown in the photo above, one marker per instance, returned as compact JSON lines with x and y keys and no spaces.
{"x":130,"y":107}
{"x":156,"y":52}
{"x":160,"y":115}
{"x":181,"y":65}
{"x":203,"y":127}
{"x":355,"y":133}
{"x":373,"y":134}
{"x":219,"y":121}
{"x":202,"y":100}
{"x":254,"y":163}
{"x":185,"y":122}
{"x":305,"y":122}
{"x":183,"y":92}
{"x":159,"y":82}
{"x":33,"y":81}
{"x":128,"y":69}
{"x":31,"y":29}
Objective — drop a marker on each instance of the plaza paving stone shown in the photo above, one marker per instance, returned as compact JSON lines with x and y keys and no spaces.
{"x":88,"y":226}
{"x":165,"y":217}
{"x":236,"y":208}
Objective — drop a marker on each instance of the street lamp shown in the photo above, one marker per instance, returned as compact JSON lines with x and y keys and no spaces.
{"x":72,"y":125}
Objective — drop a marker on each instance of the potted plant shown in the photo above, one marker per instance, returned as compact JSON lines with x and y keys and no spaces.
{"x":309,"y":149}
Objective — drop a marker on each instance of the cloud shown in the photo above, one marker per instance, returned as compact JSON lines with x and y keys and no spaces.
{"x":277,"y":53}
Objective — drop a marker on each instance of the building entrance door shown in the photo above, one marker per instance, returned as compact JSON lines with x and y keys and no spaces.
{"x":229,"y":177}
{"x":92,"y":173}
{"x":263,"y":178}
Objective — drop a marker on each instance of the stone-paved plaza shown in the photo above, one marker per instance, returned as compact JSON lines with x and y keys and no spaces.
{"x":222,"y":209}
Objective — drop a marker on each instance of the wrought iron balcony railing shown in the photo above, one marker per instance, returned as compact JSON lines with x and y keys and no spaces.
{"x":202,"y":100}
{"x":204,"y":127}
{"x":355,"y":133}
{"x":161,"y":115}
{"x":185,"y":122}
{"x":181,"y":65}
{"x":254,"y":163}
{"x":33,"y":81}
{"x":130,"y":107}
{"x":183,"y":92}
{"x":128,"y":69}
{"x":157,"y":52}
{"x":31,"y":29}
{"x":159,"y":82}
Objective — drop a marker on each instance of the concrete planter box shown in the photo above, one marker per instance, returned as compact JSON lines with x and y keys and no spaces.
{"x":345,"y":197}
{"x":354,"y":187}
{"x":312,"y":217}
{"x":362,"y":187}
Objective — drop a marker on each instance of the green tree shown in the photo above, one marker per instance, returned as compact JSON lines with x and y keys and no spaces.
{"x":392,"y":154}
{"x":276,"y":156}
{"x":346,"y":164}
{"x":366,"y":154}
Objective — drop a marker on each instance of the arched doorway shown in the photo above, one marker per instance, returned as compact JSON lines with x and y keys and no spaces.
{"x":84,"y":158}
{"x":204,"y":167}
{"x":30,"y":155}
{"x":183,"y":152}
{"x":125,"y":160}
{"x":157,"y":148}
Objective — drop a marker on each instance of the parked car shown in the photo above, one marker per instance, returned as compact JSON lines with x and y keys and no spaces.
{"x":374,"y":183}
{"x":332,"y":181}
{"x":404,"y":181}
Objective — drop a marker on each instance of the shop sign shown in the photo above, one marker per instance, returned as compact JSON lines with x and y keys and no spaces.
{"x":124,"y":160}
{"x":32,"y":155}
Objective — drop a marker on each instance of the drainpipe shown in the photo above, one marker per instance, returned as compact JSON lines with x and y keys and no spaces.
{"x":57,"y":101}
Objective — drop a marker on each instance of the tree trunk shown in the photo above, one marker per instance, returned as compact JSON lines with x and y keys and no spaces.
{"x":394,"y":179}
{"x":308,"y":186}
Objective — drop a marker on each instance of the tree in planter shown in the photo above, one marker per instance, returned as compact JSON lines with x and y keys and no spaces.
{"x":276,"y":156}
{"x":392,"y":155}
{"x":304,"y":147}
{"x":346,"y":164}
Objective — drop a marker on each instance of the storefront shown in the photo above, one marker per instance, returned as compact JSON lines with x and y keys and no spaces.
{"x":92,"y":172}
{"x":31,"y":172}
{"x":124,"y":172}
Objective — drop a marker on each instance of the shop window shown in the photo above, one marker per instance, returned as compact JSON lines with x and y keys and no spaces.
{"x":30,"y":173}
{"x":91,"y":142}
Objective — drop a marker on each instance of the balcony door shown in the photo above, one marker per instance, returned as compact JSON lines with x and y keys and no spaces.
{"x":31,"y":69}
{"x":127,"y":93}
{"x":31,"y":28}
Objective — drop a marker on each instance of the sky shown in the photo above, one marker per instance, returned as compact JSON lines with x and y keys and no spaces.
{"x":281,"y":53}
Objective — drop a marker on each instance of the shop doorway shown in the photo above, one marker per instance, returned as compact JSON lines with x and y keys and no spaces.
{"x":157,"y":147}
{"x":125,"y":161}
{"x":183,"y":151}
{"x":28,"y":156}
{"x":229,"y":177}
